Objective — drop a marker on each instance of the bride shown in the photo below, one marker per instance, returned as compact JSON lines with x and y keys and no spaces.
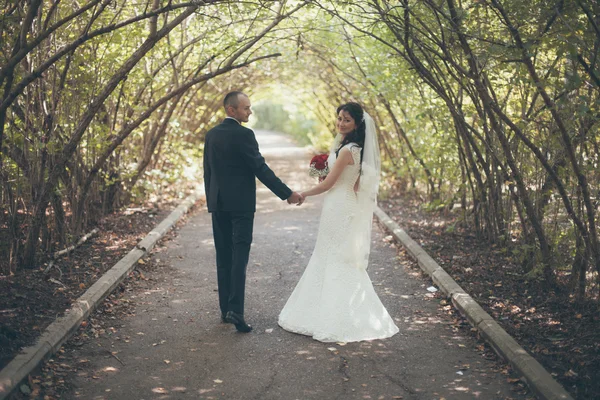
{"x":334,"y":301}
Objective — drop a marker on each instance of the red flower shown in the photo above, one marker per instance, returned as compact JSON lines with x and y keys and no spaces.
{"x":319,"y":161}
{"x":319,"y":166}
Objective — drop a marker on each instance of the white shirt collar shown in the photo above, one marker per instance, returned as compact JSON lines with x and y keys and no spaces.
{"x":233,"y":119}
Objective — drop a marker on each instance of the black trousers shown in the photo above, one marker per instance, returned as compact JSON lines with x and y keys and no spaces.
{"x":232,"y":232}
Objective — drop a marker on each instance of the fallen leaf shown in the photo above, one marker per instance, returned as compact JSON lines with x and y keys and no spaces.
{"x":217,"y":381}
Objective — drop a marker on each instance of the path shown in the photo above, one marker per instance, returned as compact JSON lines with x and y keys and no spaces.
{"x":174,"y":347}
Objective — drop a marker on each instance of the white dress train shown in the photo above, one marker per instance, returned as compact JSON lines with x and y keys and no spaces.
{"x":334,"y":301}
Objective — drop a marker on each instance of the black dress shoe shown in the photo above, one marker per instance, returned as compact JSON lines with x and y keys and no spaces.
{"x":238,"y":321}
{"x":224,"y":319}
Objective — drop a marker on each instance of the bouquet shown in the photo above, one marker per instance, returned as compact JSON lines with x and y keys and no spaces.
{"x":319,"y":166}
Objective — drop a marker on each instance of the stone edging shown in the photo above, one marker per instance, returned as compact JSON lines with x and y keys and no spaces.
{"x":536,"y":377}
{"x":61,"y":329}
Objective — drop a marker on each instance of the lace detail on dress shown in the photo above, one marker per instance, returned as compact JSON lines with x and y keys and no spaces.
{"x":334,"y":301}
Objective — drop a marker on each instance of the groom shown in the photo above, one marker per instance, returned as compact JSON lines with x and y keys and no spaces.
{"x":232,"y":161}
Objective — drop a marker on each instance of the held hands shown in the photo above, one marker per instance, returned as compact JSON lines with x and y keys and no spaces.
{"x":296,"y":198}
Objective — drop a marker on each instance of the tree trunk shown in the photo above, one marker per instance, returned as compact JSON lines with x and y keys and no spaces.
{"x":41,"y":203}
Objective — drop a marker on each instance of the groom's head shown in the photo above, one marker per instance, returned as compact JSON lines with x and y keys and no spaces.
{"x":237,"y":105}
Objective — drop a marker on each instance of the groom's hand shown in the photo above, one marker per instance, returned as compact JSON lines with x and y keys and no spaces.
{"x":295,"y":198}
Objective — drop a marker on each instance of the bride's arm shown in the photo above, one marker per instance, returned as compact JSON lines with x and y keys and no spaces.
{"x":344,"y":158}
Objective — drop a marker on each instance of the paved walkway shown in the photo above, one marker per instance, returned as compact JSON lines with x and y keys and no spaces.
{"x":174,"y":347}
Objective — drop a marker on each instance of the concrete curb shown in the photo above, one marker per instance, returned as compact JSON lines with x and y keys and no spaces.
{"x":537,"y":378}
{"x":61,"y":329}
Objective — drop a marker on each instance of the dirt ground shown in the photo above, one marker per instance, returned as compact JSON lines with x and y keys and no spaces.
{"x":564,"y":337}
{"x":32,"y":299}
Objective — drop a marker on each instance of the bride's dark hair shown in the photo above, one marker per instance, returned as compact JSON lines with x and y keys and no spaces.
{"x":358,"y":134}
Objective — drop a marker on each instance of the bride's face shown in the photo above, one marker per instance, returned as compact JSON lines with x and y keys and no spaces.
{"x":345,"y":123}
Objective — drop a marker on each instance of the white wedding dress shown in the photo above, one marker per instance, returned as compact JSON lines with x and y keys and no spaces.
{"x":334,"y":301}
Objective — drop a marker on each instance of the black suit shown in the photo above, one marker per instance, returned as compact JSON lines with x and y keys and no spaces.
{"x":232,"y":161}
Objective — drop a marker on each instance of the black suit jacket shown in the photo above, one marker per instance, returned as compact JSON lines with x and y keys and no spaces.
{"x":231,"y":163}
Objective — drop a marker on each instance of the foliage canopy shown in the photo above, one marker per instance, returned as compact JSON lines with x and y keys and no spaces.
{"x":489,"y":104}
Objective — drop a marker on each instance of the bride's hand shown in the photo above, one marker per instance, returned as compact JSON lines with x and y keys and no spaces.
{"x":302,"y":199}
